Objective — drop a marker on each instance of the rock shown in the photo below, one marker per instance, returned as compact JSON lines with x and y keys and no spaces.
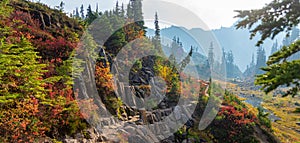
{"x":177,"y":113}
{"x":105,"y":122}
{"x":47,"y":19}
{"x":298,"y":123}
{"x":190,"y":140}
{"x":135,"y":139}
{"x":160,"y":137}
{"x":124,"y":116}
{"x":92,"y":133}
{"x":71,"y":141}
{"x":139,"y":132}
{"x":157,"y":116}
{"x":112,"y":121}
{"x":139,"y":122}
{"x":130,"y":129}
{"x":78,"y":136}
{"x":162,"y":105}
{"x":184,"y":118}
{"x":102,"y":138}
{"x":144,"y":130}
{"x":152,"y":137}
{"x":130,"y":117}
{"x":122,"y":131}
{"x":150,"y":118}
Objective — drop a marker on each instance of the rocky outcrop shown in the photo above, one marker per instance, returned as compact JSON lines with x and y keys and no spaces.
{"x":138,"y":123}
{"x":49,"y":19}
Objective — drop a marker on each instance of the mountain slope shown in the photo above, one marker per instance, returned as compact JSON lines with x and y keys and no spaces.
{"x":229,"y":38}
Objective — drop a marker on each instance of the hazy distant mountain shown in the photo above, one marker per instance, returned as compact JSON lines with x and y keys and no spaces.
{"x":199,"y":65}
{"x":229,"y":38}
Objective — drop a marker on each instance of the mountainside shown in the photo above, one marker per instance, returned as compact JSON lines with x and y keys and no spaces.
{"x":53,"y":88}
{"x":229,"y":38}
{"x":200,"y":58}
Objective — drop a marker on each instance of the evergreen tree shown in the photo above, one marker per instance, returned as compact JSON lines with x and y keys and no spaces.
{"x":211,"y":55}
{"x":77,"y":13}
{"x":174,"y":44}
{"x":122,"y":11}
{"x":117,"y":9}
{"x":117,"y":40}
{"x":230,"y":58}
{"x":252,"y":61}
{"x":61,"y":6}
{"x":230,"y":65}
{"x":97,"y":8}
{"x":89,"y":12}
{"x":137,"y":12}
{"x":20,"y":72}
{"x":129,"y":11}
{"x":157,"y":30}
{"x":157,"y":38}
{"x":82,"y":12}
{"x":261,"y":60}
{"x":90,"y":15}
{"x":223,"y":62}
{"x":272,"y":19}
{"x":186,"y":60}
{"x":102,"y":24}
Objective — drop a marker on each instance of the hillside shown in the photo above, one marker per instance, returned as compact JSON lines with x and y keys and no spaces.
{"x":62,"y":80}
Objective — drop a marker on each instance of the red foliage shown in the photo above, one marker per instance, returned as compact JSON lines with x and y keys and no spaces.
{"x":55,"y":50}
{"x":22,"y":123}
{"x":238,"y":117}
{"x":28,"y":119}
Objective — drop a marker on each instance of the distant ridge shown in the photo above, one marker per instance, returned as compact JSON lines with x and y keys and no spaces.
{"x":229,"y":38}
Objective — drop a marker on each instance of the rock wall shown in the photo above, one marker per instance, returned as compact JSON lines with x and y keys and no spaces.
{"x":137,"y":124}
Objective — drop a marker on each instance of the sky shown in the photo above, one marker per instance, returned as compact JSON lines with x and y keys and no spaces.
{"x":214,"y":13}
{"x":205,"y":14}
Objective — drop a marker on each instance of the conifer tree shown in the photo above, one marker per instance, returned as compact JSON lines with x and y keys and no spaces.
{"x":186,"y":60}
{"x":82,"y":11}
{"x":129,"y":11}
{"x":252,"y":61}
{"x":97,"y":8}
{"x":136,"y":6}
{"x":276,"y":17}
{"x":157,"y":38}
{"x":117,"y":9}
{"x":20,"y":72}
{"x":61,"y":6}
{"x":211,"y":55}
{"x":90,"y":16}
{"x":261,"y":60}
{"x":77,"y":13}
{"x":122,"y":10}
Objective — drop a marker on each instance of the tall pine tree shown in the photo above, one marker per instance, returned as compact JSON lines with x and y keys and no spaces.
{"x":157,"y":38}
{"x":82,"y":11}
{"x":260,"y":61}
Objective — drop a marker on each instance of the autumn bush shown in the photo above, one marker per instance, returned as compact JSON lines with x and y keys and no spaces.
{"x":234,"y":123}
{"x":36,"y":96}
{"x":20,"y":121}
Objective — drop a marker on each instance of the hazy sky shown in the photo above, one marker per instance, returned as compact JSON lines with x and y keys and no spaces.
{"x":214,"y":13}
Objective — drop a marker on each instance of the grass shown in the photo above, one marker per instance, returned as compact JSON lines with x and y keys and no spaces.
{"x":284,"y":108}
